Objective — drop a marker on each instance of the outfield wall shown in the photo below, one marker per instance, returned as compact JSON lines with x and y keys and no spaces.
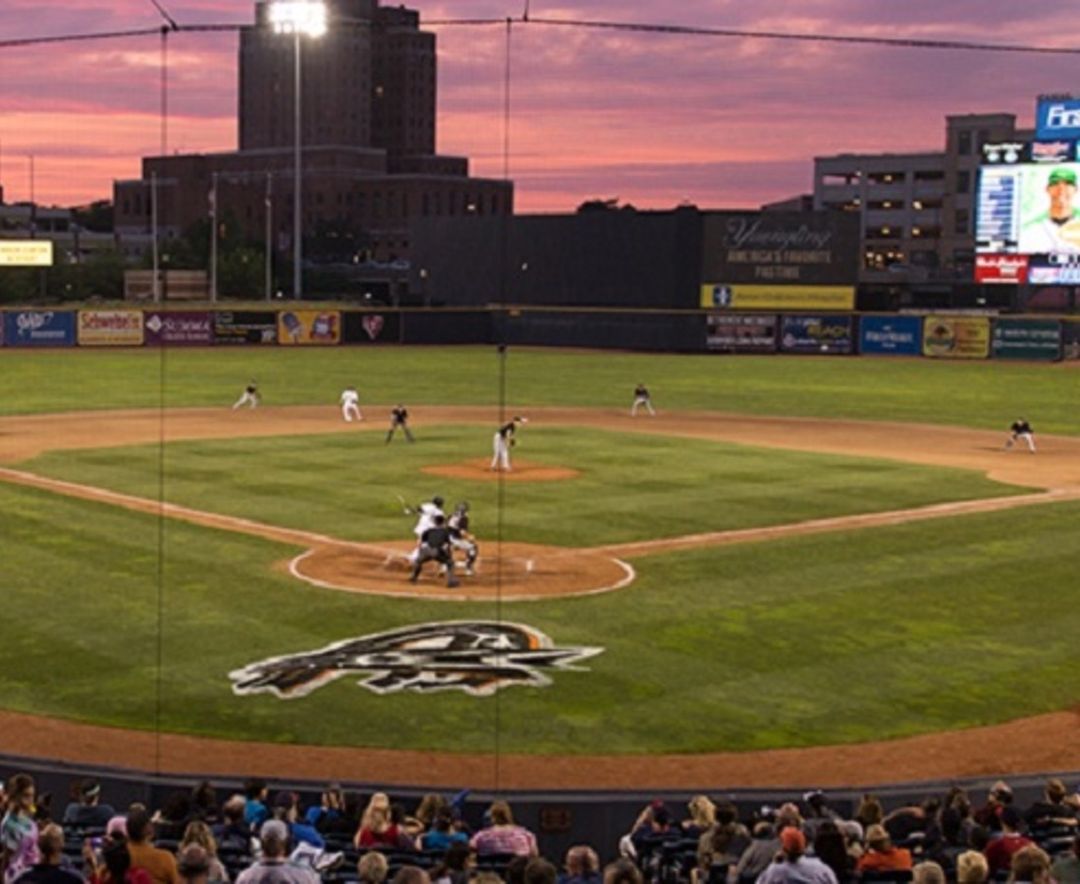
{"x":934,"y":335}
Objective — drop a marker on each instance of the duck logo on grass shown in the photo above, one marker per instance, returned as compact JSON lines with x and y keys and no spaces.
{"x":474,"y":656}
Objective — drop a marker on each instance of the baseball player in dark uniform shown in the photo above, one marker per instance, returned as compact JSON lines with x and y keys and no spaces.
{"x":1021,"y":429}
{"x":399,"y":417}
{"x":503,"y":441}
{"x":641,"y":397}
{"x":460,"y":538}
{"x":250,"y":396}
{"x":435,"y":547}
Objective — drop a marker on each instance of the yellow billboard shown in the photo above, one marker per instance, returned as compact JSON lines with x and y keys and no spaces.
{"x":956,"y":337}
{"x":777,"y":297}
{"x":26,"y":253}
{"x":309,"y":327}
{"x":110,"y":328}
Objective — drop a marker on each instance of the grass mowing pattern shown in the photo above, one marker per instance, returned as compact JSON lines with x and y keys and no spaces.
{"x":632,"y":487}
{"x":988,"y":394}
{"x":867,"y":635}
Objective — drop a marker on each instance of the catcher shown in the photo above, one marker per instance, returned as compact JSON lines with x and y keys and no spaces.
{"x":460,"y":538}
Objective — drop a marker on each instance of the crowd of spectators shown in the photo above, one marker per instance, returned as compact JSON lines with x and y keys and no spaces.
{"x":251,"y":838}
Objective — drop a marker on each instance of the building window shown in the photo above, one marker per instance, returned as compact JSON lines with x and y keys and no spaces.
{"x":886,"y":231}
{"x":961,"y":221}
{"x":963,"y":181}
{"x":885,"y":204}
{"x":963,"y":143}
{"x":930,"y":175}
{"x":881,"y":258}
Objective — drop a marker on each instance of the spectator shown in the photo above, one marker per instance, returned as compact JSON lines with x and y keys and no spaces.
{"x":1051,"y":809}
{"x":853,"y":839}
{"x":702,"y":817}
{"x":159,"y":864}
{"x":233,"y":832}
{"x":274,"y":867}
{"x":720,"y":846}
{"x":914,"y":820}
{"x":514,"y":873}
{"x":793,"y":866}
{"x":193,"y":862}
{"x":50,"y":868}
{"x":1066,"y":870}
{"x":441,"y":834}
{"x":255,"y":810}
{"x":348,"y":820}
{"x":999,"y":852}
{"x":377,"y":829}
{"x":817,"y":812}
{"x":881,"y":855}
{"x":789,"y":816}
{"x":86,"y":812}
{"x":870,"y":812}
{"x":540,"y":871}
{"x":115,"y":867}
{"x":971,"y":868}
{"x":427,"y":811}
{"x":204,"y":804}
{"x":582,"y":866}
{"x":759,"y":854}
{"x":455,"y":866}
{"x":622,"y":871}
{"x":830,"y":847}
{"x":287,"y":809}
{"x":503,"y":836}
{"x":18,"y":831}
{"x":331,"y":802}
{"x":1030,"y":865}
{"x":928,"y":873}
{"x":999,"y":797}
{"x":372,"y":868}
{"x":198,"y":833}
{"x":411,"y":875}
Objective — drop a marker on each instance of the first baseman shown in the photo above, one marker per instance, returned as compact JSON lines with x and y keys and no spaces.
{"x":641,"y":397}
{"x":250,"y":396}
{"x":502,"y":442}
{"x":350,"y":404}
{"x":1021,"y":429}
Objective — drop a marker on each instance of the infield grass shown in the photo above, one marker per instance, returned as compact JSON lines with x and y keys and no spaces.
{"x":986,"y":394}
{"x":631,"y":487}
{"x":871,"y":634}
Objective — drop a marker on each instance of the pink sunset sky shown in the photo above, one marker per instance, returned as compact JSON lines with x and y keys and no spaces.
{"x":652,"y":120}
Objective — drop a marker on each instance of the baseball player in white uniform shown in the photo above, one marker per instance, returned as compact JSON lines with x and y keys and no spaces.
{"x":642,"y":398}
{"x":502,"y":442}
{"x":350,"y":404}
{"x":425,"y":513}
{"x":249,"y":397}
{"x":1021,"y":430}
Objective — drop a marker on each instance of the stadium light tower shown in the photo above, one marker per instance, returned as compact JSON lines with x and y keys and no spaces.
{"x":299,"y":18}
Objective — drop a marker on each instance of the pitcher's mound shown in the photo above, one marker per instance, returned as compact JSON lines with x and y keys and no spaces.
{"x":479,"y":470}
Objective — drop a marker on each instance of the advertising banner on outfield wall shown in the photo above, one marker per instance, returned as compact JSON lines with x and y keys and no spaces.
{"x":1070,"y":339}
{"x":245,"y":327}
{"x":300,"y":327}
{"x":1026,"y":339}
{"x":956,"y":337}
{"x":734,"y":333}
{"x":891,"y":335}
{"x":777,"y":297}
{"x":39,"y":328}
{"x":178,"y":328}
{"x":110,"y":328}
{"x":370,"y":328}
{"x":817,"y":334}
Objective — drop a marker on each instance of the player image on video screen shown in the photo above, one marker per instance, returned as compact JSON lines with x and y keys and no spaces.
{"x":1051,"y":223}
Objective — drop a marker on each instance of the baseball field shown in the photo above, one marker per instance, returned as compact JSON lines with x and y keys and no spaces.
{"x":800,"y":570}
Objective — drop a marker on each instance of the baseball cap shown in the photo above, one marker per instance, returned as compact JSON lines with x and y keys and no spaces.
{"x":792,"y":840}
{"x":274,"y":829}
{"x":1068,"y":176}
{"x":285,"y":799}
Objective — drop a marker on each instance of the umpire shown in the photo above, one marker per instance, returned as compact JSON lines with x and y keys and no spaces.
{"x":435,"y":547}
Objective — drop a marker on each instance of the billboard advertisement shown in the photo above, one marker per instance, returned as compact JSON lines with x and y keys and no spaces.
{"x":39,"y":328}
{"x":245,"y":327}
{"x":731,"y":333}
{"x":1057,"y":118}
{"x":1026,"y":339}
{"x":817,"y":334}
{"x":371,"y":328}
{"x":1001,"y":269}
{"x":891,"y":335}
{"x":178,"y":328}
{"x":300,"y":327}
{"x":1070,"y":339}
{"x":956,"y":337}
{"x":26,"y":253}
{"x":723,"y":296}
{"x":110,"y":328}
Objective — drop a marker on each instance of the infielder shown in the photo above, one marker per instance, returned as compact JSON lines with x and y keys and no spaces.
{"x":641,"y":397}
{"x":350,"y":404}
{"x":399,"y":417}
{"x":1021,"y":429}
{"x":503,"y":441}
{"x":426,"y":514}
{"x":249,"y":397}
{"x":435,"y":547}
{"x":460,"y":538}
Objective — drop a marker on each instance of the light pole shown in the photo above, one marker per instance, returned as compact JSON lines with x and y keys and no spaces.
{"x":298,"y":17}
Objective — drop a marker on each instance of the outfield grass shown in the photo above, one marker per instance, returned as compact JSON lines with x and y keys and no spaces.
{"x":978,"y":394}
{"x":632,"y":487}
{"x":866,"y":635}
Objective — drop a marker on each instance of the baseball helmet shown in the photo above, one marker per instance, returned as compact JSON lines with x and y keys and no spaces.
{"x":438,"y":501}
{"x":462,"y":507}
